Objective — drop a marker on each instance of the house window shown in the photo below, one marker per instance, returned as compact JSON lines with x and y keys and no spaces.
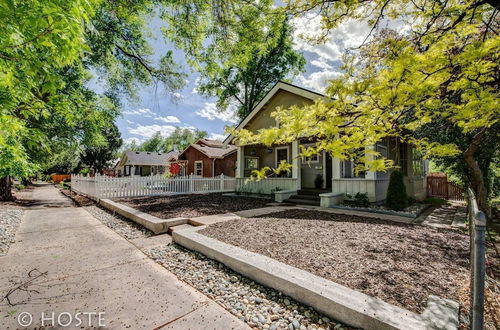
{"x":281,"y":154}
{"x":198,"y":168}
{"x":347,"y":168}
{"x":417,"y":164}
{"x":382,"y":150}
{"x":251,"y":163}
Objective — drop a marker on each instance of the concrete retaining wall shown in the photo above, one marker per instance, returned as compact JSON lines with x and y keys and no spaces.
{"x":334,"y":300}
{"x":156,"y":225}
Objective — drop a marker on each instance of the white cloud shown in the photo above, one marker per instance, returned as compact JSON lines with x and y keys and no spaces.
{"x":148,"y":131}
{"x":129,"y":122}
{"x":321,"y":63}
{"x":318,"y":81}
{"x":140,"y":112}
{"x":132,"y":139}
{"x":211,"y":112}
{"x":168,"y":119}
{"x":216,"y":136}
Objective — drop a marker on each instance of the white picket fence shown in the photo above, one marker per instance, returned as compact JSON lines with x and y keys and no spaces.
{"x":101,"y":186}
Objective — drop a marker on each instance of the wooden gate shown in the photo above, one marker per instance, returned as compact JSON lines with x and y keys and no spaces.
{"x":438,"y":186}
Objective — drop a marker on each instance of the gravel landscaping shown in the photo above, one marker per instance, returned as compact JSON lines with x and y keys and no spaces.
{"x":10,"y":218}
{"x":121,"y":225}
{"x":400,"y":263}
{"x":192,"y":205}
{"x":258,"y":306}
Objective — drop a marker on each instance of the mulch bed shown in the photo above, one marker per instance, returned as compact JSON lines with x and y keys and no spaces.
{"x":192,"y":205}
{"x":399,"y":263}
{"x":79,"y":200}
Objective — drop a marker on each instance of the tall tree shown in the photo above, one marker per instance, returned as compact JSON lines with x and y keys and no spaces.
{"x":47,"y":51}
{"x":240,"y":49}
{"x":180,"y":139}
{"x":99,"y":157}
{"x":446,"y":67}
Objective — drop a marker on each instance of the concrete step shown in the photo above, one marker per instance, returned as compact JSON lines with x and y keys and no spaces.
{"x":179,"y":227}
{"x":312,"y":191}
{"x":303,"y":201}
{"x":309,"y":197}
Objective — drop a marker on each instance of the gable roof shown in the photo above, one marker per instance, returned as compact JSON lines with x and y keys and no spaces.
{"x":280,"y":85}
{"x":146,"y":158}
{"x":218,"y":151}
{"x":210,"y":143}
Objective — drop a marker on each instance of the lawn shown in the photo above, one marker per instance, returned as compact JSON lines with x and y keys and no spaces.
{"x":192,"y":205}
{"x":399,"y":263}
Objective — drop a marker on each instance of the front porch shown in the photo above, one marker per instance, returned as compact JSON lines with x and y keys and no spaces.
{"x":322,"y":172}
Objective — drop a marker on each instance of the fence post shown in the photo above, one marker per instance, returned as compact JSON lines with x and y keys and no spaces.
{"x":222,"y":182}
{"x":191,"y":183}
{"x":477,"y":229}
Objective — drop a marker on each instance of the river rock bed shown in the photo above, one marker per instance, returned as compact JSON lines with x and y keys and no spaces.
{"x":10,"y":218}
{"x":258,"y":306}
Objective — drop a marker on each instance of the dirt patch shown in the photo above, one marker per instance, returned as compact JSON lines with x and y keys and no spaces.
{"x":79,"y":200}
{"x":399,"y":263}
{"x":192,"y":205}
{"x":22,"y":198}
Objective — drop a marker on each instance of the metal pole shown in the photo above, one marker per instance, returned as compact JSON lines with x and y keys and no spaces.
{"x":478,"y":227}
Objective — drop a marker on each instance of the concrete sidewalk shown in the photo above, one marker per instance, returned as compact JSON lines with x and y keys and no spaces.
{"x":86,"y":268}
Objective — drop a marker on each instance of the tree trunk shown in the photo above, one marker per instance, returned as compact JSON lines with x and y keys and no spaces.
{"x":475,"y":174}
{"x":5,"y":189}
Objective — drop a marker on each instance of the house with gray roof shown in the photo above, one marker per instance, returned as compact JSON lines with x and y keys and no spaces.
{"x":144,"y":163}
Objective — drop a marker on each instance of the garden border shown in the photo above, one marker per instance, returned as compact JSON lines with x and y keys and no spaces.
{"x":334,"y":300}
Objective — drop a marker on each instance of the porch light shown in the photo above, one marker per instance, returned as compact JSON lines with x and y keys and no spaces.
{"x":269,"y":150}
{"x":253,"y":152}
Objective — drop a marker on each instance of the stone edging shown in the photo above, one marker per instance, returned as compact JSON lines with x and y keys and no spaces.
{"x":156,"y":225}
{"x":334,"y":300}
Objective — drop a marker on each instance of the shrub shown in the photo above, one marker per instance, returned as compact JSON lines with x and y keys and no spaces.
{"x":397,"y":199}
{"x":20,"y":186}
{"x":361,"y":200}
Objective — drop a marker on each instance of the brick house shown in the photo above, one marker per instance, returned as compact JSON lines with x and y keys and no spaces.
{"x":207,"y":158}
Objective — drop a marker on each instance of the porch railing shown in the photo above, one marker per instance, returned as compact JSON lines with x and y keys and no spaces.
{"x":265,"y":186}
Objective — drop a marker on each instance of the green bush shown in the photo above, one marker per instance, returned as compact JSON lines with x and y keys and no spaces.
{"x":397,"y":199}
{"x":361,"y":200}
{"x":20,"y":186}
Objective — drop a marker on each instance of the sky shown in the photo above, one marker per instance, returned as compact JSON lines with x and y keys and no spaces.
{"x":155,"y":111}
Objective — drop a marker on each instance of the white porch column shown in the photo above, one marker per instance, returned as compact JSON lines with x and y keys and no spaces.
{"x":132,"y":171}
{"x":370,"y":175}
{"x":296,"y":163}
{"x":240,"y":162}
{"x":335,"y":168}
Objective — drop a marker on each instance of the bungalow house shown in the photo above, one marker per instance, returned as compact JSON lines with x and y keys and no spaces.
{"x":143,"y":163}
{"x":338,"y":176}
{"x":207,"y":158}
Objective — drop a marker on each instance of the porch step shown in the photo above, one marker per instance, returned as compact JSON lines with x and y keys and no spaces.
{"x":308,"y":197}
{"x":303,"y":201}
{"x":316,"y":192}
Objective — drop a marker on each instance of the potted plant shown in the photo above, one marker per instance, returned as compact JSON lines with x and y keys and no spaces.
{"x":318,"y":182}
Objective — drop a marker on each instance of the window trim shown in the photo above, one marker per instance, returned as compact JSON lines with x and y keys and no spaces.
{"x":276,"y":154}
{"x":196,"y":162}
{"x":245,"y":162}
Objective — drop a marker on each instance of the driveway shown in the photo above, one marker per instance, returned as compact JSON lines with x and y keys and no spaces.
{"x":65,"y":262}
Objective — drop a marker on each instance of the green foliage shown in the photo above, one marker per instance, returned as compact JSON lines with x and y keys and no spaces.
{"x":443,"y":67}
{"x":435,"y":201}
{"x":100,"y":157}
{"x":361,"y":200}
{"x":20,"y":186}
{"x":396,"y":199}
{"x":181,"y":138}
{"x":241,"y":49}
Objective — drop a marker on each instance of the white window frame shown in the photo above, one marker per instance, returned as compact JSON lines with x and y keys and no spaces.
{"x":196,"y":162}
{"x":245,"y":162}
{"x":276,"y":154}
{"x":314,"y":159}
